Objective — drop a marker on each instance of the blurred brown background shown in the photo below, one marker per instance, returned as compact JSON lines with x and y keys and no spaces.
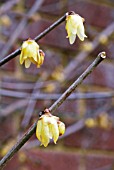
{"x":85,"y":147}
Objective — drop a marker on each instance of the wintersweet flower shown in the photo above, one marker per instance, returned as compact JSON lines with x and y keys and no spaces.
{"x":49,"y":127}
{"x":74,"y":26}
{"x":30,"y":53}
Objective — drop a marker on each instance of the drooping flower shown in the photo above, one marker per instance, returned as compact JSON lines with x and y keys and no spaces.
{"x":30,"y":53}
{"x":49,"y":127}
{"x":74,"y":26}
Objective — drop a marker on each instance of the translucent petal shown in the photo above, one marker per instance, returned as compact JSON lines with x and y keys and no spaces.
{"x":39,"y":129}
{"x":45,"y":136}
{"x":34,"y":53}
{"x":74,"y":21}
{"x":50,"y":131}
{"x":61,"y":127}
{"x":80,"y":32}
{"x":72,"y":38}
{"x":68,"y":28}
{"x":40,"y":61}
{"x":32,"y":60}
{"x":72,"y":27}
{"x":54,"y":131}
{"x":21,"y":58}
{"x":27,"y":63}
{"x":25,"y":44}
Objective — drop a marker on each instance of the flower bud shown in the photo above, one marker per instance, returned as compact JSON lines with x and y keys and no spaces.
{"x":49,"y":127}
{"x":74,"y":25}
{"x":30,"y":53}
{"x":61,"y":127}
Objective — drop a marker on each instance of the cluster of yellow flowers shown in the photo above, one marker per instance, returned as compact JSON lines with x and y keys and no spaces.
{"x":30,"y":53}
{"x":49,"y":127}
{"x":103,"y":121}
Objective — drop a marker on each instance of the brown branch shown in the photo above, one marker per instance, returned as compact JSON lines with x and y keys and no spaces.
{"x":42,"y":34}
{"x":64,"y":96}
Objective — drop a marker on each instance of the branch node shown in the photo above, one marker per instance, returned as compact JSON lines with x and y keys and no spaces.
{"x":102,"y":54}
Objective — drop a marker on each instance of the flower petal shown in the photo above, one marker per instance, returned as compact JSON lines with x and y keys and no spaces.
{"x":27,"y":63}
{"x":61,"y":127}
{"x":80,"y":32}
{"x":54,"y":131}
{"x":45,"y":135}
{"x":39,"y":129}
{"x":21,"y":58}
{"x":72,"y":38}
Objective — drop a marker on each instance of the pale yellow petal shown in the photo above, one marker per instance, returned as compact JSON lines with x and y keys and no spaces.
{"x":25,"y":44}
{"x":39,"y":129}
{"x":45,"y":135}
{"x":72,"y":38}
{"x":75,"y":20}
{"x":27,"y":63}
{"x":21,"y":58}
{"x":40,"y":58}
{"x":54,"y":131}
{"x":61,"y":127}
{"x":68,"y":28}
{"x":81,"y":32}
{"x":50,"y":131}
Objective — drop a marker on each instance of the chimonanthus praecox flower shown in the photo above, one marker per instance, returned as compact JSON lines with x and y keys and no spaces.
{"x":49,"y":127}
{"x":30,"y":53}
{"x":74,"y":25}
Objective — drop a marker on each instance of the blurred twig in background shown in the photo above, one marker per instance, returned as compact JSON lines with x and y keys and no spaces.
{"x":7,"y":6}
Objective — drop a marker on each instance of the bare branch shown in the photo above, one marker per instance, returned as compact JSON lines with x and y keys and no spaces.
{"x":64,"y":96}
{"x":100,"y":57}
{"x":42,"y":34}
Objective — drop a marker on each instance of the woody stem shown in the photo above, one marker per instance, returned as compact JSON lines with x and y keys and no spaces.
{"x":64,"y":96}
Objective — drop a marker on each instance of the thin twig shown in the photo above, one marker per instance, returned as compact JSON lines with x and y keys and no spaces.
{"x":55,"y":96}
{"x":20,"y":104}
{"x":42,"y":34}
{"x":12,"y":107}
{"x":7,"y":6}
{"x":100,"y":57}
{"x":30,"y":108}
{"x":22,"y":86}
{"x":64,"y":96}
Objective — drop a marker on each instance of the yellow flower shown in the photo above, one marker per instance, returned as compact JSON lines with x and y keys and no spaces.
{"x":49,"y":127}
{"x":104,"y":121}
{"x":74,"y":25}
{"x":61,"y":127}
{"x":90,"y":123}
{"x":30,"y":53}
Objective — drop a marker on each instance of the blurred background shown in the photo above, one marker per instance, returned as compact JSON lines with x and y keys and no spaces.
{"x":88,"y":113}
